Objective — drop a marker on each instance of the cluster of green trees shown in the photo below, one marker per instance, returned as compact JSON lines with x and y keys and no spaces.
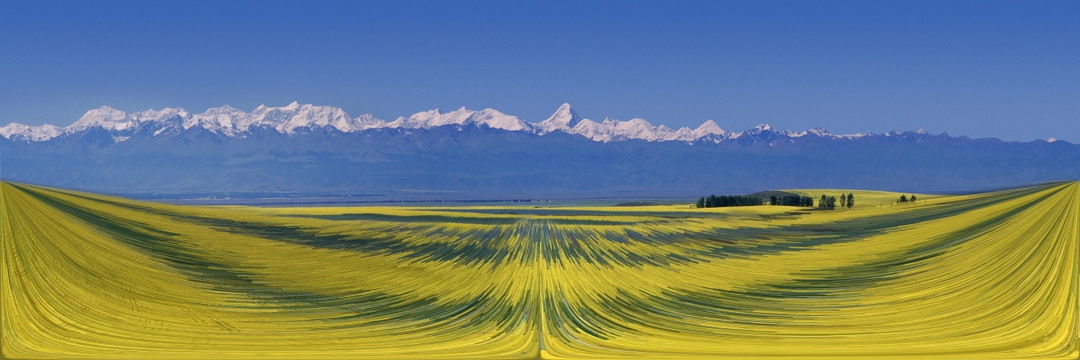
{"x":792,"y":200}
{"x":728,"y":200}
{"x":848,"y":201}
{"x":826,"y":202}
{"x":829,"y":202}
{"x":905,"y":198}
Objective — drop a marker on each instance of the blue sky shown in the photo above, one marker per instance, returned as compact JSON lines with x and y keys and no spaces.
{"x":976,"y":68}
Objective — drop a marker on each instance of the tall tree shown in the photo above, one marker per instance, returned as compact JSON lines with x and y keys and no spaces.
{"x":903,"y":198}
{"x":843,"y":200}
{"x":850,"y":200}
{"x":701,"y":202}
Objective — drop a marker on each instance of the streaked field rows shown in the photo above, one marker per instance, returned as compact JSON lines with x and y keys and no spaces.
{"x":990,"y":275}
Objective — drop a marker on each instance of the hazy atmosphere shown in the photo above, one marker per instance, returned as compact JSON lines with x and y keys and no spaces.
{"x":976,"y":68}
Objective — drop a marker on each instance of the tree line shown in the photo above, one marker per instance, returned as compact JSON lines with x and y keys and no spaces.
{"x":728,"y":200}
{"x":829,"y":202}
{"x":826,"y":202}
{"x":792,"y":200}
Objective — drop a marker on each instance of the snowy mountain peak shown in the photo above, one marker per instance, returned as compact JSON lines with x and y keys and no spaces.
{"x":300,"y":118}
{"x":462,"y":116}
{"x":367,"y":121}
{"x":218,"y":120}
{"x":17,"y":131}
{"x":287,"y":119}
{"x":709,"y":128}
{"x":636,"y":128}
{"x":494,"y":119}
{"x":592,"y":130}
{"x":105,"y":117}
{"x":819,"y":132}
{"x":564,"y":118}
{"x":428,"y":119}
{"x":165,"y":114}
{"x":565,"y":111}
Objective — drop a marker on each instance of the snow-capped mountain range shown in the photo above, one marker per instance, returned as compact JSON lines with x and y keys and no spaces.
{"x":480,"y":154}
{"x":296,"y":117}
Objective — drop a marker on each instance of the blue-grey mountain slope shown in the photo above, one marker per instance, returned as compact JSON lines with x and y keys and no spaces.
{"x":464,"y":154}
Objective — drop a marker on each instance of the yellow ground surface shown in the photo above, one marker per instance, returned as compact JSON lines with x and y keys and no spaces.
{"x":991,"y":275}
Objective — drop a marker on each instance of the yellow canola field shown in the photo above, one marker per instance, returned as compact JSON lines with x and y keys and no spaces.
{"x":991,"y":275}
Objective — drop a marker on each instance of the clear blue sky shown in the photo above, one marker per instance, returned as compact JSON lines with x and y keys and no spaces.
{"x":976,"y":68}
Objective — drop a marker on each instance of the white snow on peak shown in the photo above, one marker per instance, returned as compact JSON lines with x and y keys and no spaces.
{"x":819,"y":132}
{"x":17,"y":131}
{"x":593,"y":130}
{"x":366,"y":121}
{"x":1052,"y":139}
{"x":665,"y":133}
{"x":565,"y":118}
{"x":165,"y":114}
{"x":115,"y":120}
{"x":497,"y":120}
{"x":105,"y":117}
{"x":707,"y":128}
{"x":167,"y":120}
{"x":428,"y":119}
{"x":225,"y":120}
{"x":434,"y":118}
{"x":636,"y":128}
{"x":685,"y":134}
{"x":288,"y":118}
{"x":218,"y":120}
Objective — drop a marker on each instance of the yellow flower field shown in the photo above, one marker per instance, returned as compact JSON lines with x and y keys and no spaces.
{"x":993,"y":275}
